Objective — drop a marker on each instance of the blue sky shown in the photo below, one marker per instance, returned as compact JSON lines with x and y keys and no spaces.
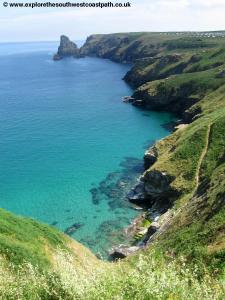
{"x":18,"y":24}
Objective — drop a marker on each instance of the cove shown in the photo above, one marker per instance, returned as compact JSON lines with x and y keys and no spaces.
{"x":70,"y":149}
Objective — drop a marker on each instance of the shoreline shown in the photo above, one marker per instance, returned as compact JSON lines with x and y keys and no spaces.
{"x":145,"y":224}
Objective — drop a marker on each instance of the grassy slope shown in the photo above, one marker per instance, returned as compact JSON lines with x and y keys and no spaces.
{"x":25,"y":240}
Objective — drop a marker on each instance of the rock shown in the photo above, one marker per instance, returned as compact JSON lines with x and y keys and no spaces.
{"x":195,"y":58}
{"x":157,"y":184}
{"x":66,"y":49}
{"x":137,"y":193}
{"x":56,"y":57}
{"x":221,"y":74}
{"x":122,"y":251}
{"x":138,"y":102}
{"x":128,"y":99}
{"x":150,"y":157}
{"x":153,"y":228}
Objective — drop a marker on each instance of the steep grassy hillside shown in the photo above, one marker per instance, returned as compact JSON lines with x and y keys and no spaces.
{"x":25,"y":240}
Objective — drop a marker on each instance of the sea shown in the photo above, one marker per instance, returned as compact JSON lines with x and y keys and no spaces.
{"x":70,"y":148}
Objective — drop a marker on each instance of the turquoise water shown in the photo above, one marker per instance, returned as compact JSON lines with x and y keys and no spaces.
{"x":69,"y":147}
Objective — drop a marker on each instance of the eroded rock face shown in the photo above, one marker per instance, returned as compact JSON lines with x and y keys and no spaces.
{"x":66,"y":48}
{"x":157,"y":184}
{"x":137,"y":194}
{"x":150,"y":157}
{"x":154,"y":186}
{"x":153,"y":68}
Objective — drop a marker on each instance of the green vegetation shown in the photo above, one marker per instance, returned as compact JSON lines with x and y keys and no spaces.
{"x":24,"y":240}
{"x":150,"y":277}
{"x":186,"y":260}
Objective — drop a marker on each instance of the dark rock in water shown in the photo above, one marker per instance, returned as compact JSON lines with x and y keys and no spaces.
{"x":122,"y":252}
{"x":70,"y":230}
{"x":66,"y":49}
{"x":56,"y":57}
{"x":54,"y":223}
{"x":116,"y":185}
{"x":170,"y":125}
{"x":95,"y":198}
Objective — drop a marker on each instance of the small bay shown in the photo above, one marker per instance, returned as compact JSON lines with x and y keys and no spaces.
{"x":70,"y":149}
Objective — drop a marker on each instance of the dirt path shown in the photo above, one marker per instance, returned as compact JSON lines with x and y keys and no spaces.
{"x":169,"y":215}
{"x":204,"y":152}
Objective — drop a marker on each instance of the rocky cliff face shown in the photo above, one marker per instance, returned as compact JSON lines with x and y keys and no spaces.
{"x":66,"y":49}
{"x":122,"y":47}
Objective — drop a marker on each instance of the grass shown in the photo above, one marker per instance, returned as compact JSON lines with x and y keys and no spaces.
{"x":25,"y":240}
{"x":152,"y":278}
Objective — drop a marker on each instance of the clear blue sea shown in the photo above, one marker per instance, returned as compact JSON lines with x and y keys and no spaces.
{"x":70,"y":149}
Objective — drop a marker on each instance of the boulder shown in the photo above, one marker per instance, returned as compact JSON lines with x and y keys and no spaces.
{"x":157,"y":184}
{"x":137,"y":193}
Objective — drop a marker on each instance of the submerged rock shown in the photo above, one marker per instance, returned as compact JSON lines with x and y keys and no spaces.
{"x":70,"y":230}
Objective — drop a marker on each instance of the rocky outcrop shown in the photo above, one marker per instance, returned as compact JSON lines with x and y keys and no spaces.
{"x":66,"y":48}
{"x":150,"y":157}
{"x":157,"y":185}
{"x":137,"y":193}
{"x":153,"y":187}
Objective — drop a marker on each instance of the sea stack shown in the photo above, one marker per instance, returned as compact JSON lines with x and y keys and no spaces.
{"x":66,"y":48}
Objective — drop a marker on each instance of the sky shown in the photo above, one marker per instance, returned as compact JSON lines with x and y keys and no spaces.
{"x":47,"y":24}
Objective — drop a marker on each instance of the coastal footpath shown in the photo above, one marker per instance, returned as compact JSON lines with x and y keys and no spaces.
{"x":182,"y":253}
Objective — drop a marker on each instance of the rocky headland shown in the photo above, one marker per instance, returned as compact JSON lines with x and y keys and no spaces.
{"x":66,"y":48}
